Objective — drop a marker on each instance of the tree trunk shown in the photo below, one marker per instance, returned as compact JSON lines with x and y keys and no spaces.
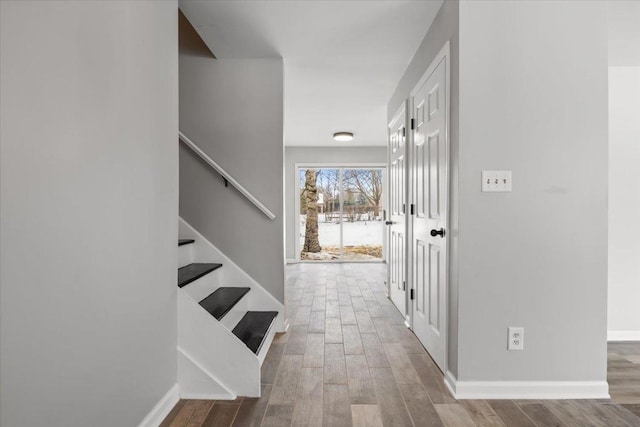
{"x":311,"y":243}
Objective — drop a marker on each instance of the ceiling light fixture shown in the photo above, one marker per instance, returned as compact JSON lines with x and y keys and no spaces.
{"x":343,"y":136}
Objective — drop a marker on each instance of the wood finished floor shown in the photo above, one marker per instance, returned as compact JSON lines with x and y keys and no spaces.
{"x":347,"y":360}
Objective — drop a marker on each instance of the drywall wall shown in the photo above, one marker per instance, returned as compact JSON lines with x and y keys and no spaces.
{"x":89,"y":190}
{"x":624,"y":203}
{"x":443,"y":29}
{"x":624,"y":33}
{"x":327,"y":155}
{"x":533,"y":100}
{"x":233,"y":110}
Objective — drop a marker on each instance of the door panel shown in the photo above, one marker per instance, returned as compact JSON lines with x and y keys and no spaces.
{"x":327,"y":210}
{"x":363,"y":227}
{"x":434,"y":175}
{"x":434,"y":287}
{"x":429,"y":175}
{"x":397,"y":218}
{"x":420,"y":172}
{"x":420,"y":278}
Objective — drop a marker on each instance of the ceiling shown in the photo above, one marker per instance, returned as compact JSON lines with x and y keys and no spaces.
{"x":342,"y":59}
{"x":624,"y":33}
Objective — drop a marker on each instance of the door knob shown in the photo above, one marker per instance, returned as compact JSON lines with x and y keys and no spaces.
{"x":440,"y":232}
{"x":389,"y":222}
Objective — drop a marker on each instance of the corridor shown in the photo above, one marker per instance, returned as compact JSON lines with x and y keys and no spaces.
{"x":349,"y":360}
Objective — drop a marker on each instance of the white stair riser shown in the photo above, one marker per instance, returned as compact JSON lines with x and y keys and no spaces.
{"x":201,"y":288}
{"x":266,"y":344}
{"x":185,"y":255}
{"x":231,"y":319}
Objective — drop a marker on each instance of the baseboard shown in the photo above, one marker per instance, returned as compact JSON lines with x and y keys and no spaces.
{"x":162,"y":408}
{"x":450,"y":381}
{"x":292,"y":261}
{"x":285,"y":326}
{"x":464,"y":390}
{"x":623,"y":336}
{"x":205,"y":396}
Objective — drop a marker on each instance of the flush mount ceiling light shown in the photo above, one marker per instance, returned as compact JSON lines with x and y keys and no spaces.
{"x":343,"y":136}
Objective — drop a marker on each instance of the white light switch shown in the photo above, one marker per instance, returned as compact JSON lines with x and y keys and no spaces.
{"x":496,"y":181}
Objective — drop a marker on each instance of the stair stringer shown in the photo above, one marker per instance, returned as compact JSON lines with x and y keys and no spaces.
{"x":215,"y":350}
{"x":232,"y":275}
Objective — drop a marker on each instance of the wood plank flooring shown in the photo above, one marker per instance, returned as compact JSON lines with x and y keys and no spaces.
{"x":348,"y":360}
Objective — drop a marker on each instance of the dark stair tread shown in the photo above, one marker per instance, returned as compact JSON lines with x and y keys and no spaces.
{"x":222,"y":300}
{"x":253,"y":328}
{"x":191,"y":272}
{"x":185,"y":241}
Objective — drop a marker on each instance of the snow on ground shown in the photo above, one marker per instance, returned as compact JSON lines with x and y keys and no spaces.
{"x":354,"y":233}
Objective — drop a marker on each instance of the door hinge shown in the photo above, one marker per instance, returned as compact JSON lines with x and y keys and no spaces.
{"x":404,"y":132}
{"x":411,"y":294}
{"x":413,"y":124}
{"x":403,"y":208}
{"x":404,"y":285}
{"x":412,"y":208}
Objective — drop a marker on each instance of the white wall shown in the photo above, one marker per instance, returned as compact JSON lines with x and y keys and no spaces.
{"x":89,"y":189}
{"x":624,"y":33}
{"x":327,"y":155}
{"x":233,"y":110}
{"x":533,"y":99}
{"x":624,"y":203}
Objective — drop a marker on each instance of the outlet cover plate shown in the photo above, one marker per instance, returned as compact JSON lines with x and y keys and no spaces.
{"x":516,"y":338}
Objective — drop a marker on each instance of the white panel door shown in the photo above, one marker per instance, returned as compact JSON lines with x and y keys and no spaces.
{"x":396,"y":222}
{"x":429,"y":196}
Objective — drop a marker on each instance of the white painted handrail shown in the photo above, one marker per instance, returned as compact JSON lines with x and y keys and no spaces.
{"x":226,"y":176}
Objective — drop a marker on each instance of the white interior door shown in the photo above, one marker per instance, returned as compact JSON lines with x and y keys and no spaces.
{"x":397,"y":209}
{"x":429,"y":238}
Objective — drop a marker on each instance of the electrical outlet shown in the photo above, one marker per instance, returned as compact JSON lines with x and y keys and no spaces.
{"x":496,"y":181}
{"x":516,"y":338}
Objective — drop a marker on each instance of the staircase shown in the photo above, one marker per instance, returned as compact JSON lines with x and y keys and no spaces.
{"x":226,"y":322}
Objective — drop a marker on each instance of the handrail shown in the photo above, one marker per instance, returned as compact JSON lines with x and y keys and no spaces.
{"x":227,"y":177}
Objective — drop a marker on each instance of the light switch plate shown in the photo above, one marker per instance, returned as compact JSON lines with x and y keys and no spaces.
{"x":496,"y":181}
